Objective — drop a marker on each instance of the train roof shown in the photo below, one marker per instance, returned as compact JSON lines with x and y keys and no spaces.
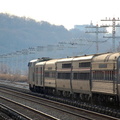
{"x":52,"y":61}
{"x":76,"y":58}
{"x":40,"y":63}
{"x":65,"y":60}
{"x":95,"y":58}
{"x":106,"y":57}
{"x":83,"y":58}
{"x":35,"y":60}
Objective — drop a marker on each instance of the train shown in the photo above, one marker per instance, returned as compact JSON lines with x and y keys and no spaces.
{"x":94,"y":77}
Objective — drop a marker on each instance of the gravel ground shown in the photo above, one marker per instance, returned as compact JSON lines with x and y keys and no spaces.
{"x":23,"y":85}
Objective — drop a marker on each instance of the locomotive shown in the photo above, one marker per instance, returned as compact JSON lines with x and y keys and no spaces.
{"x":93,"y":77}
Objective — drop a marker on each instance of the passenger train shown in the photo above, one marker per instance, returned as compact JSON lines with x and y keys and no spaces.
{"x":90,"y":77}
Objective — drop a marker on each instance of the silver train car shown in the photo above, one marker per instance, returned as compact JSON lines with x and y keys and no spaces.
{"x":105,"y":76}
{"x":89,"y":77}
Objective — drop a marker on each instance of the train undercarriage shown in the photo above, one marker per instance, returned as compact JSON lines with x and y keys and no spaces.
{"x":95,"y":98}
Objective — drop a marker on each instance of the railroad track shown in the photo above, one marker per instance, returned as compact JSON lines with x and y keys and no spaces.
{"x":10,"y":114}
{"x":20,"y":111}
{"x":59,"y":110}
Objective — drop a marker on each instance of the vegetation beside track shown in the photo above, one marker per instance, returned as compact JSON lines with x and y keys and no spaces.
{"x":13,"y":77}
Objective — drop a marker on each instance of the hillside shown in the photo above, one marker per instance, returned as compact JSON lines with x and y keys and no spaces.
{"x":18,"y":33}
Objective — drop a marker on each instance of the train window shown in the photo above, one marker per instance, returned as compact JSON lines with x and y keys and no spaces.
{"x":53,"y":74}
{"x":47,"y":74}
{"x":109,"y":75}
{"x":84,"y":64}
{"x":103,"y":75}
{"x":81,"y":76}
{"x":75,"y":76}
{"x":50,"y":74}
{"x":37,"y":70}
{"x":98,"y":75}
{"x":63,"y":75}
{"x":68,"y":65}
{"x":29,"y":64}
{"x":102,"y":65}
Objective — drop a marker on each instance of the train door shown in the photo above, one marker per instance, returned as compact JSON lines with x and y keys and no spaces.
{"x":36,"y":76}
{"x":31,"y":73}
{"x":41,"y":75}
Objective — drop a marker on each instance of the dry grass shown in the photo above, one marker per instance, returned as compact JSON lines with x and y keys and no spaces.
{"x":15,"y":77}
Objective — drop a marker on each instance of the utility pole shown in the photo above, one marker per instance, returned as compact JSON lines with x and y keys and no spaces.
{"x":97,"y":31}
{"x":113,"y":30}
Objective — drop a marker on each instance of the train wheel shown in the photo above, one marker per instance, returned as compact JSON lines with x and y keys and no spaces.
{"x":64,"y":94}
{"x":68,"y":94}
{"x":74,"y":96}
{"x":59,"y":93}
{"x":54,"y":92}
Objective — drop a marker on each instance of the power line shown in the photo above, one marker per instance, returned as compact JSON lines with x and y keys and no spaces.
{"x":97,"y":31}
{"x":113,"y":30}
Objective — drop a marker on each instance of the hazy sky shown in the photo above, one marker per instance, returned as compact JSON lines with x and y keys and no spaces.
{"x":63,"y":12}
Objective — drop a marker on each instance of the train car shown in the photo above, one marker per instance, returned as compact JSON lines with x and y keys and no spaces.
{"x":50,"y":76}
{"x":39,"y":76}
{"x":95,"y":77}
{"x":31,"y":73}
{"x":106,"y":77}
{"x":63,"y":80}
{"x":81,"y":81}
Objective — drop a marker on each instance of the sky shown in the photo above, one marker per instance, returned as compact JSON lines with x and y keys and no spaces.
{"x":63,"y":12}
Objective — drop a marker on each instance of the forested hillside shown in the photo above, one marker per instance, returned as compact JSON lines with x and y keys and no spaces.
{"x":17,"y":33}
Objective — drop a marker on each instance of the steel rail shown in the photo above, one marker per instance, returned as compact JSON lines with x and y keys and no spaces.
{"x":29,"y":108}
{"x":75,"y":108}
